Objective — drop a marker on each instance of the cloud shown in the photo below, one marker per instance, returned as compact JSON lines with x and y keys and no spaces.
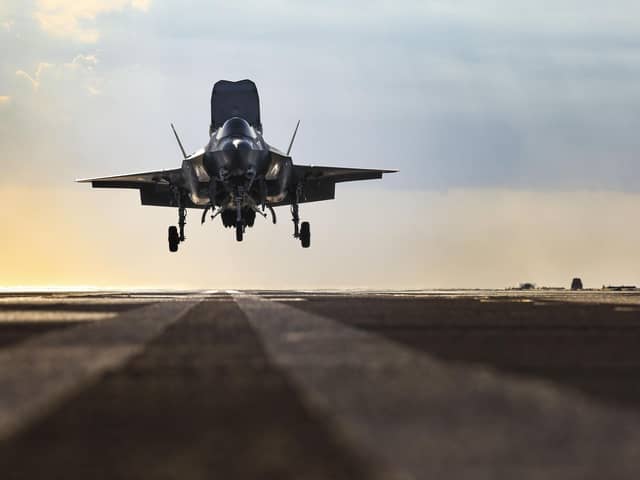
{"x":76,"y":20}
{"x":82,"y":67}
{"x":461,"y":238}
{"x":464,"y":93}
{"x":4,"y":99}
{"x":141,"y":4}
{"x":35,"y":79}
{"x":83,"y":61}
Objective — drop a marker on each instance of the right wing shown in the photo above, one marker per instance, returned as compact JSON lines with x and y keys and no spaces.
{"x":155,"y":187}
{"x":319,"y":183}
{"x":136,"y":180}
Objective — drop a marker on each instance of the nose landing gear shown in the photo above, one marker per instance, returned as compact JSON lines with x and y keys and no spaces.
{"x":239,"y":219}
{"x":239,"y":231}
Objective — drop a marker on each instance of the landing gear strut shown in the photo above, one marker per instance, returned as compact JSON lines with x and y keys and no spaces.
{"x":273,"y":214}
{"x":182,"y":221}
{"x":295,"y":219}
{"x":239,"y":219}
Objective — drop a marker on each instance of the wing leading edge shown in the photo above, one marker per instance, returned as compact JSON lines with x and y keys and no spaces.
{"x":337,"y":174}
{"x":136,"y":180}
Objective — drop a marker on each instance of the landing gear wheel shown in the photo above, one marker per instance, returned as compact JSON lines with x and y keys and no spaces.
{"x":305,"y":234}
{"x":239,"y":231}
{"x":174,"y":239}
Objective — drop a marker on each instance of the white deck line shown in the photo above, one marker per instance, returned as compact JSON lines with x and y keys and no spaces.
{"x":37,"y":374}
{"x":423,"y":418}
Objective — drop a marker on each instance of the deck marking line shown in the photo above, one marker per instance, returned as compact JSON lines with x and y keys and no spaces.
{"x":424,"y":418}
{"x":38,"y":373}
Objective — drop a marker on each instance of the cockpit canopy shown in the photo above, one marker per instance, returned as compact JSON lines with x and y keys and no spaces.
{"x":236,"y":127}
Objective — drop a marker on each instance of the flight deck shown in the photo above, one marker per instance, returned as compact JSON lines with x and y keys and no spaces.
{"x":319,"y":384}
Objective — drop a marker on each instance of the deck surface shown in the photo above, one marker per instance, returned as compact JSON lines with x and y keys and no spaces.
{"x":316,"y":385}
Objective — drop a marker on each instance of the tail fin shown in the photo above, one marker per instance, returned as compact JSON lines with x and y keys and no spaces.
{"x":184,"y":154}
{"x":293,"y":138}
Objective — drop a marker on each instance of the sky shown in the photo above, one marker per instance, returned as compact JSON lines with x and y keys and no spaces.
{"x":513,"y":124}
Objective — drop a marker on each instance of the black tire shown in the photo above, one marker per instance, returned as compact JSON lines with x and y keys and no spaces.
{"x":174,"y":239}
{"x":305,"y":234}
{"x":239,"y":231}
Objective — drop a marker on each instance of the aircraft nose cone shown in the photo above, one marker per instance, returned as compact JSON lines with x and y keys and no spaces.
{"x":237,"y":145}
{"x":237,"y":152}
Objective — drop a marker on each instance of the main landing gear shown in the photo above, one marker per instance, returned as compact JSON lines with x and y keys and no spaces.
{"x":239,"y":218}
{"x":302,"y":231}
{"x":177,"y":236}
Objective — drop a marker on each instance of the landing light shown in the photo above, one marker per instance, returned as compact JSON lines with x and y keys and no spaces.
{"x":273,"y":170}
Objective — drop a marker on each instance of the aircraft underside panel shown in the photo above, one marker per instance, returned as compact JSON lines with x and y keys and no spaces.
{"x":313,"y":192}
{"x":161,"y":196}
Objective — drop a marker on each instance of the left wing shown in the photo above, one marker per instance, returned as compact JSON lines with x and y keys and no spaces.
{"x":336,"y":174}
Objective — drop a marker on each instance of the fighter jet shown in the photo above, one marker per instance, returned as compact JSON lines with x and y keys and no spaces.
{"x":237,"y":175}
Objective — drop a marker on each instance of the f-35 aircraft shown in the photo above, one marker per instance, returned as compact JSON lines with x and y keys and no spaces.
{"x":237,"y":174}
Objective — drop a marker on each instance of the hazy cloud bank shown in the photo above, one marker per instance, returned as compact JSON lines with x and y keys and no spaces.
{"x":461,"y":238}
